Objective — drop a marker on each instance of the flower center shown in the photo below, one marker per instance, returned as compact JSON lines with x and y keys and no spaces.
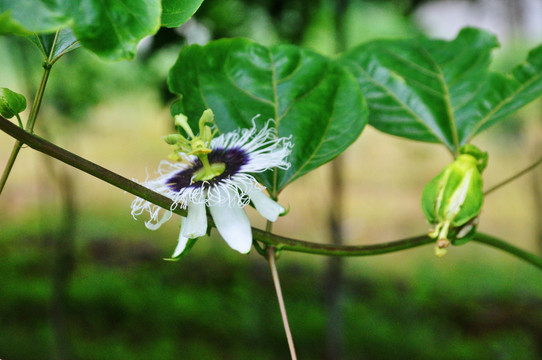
{"x":222,"y":164}
{"x":208,"y":171}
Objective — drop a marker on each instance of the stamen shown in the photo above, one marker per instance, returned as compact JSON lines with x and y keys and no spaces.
{"x":182,"y":121}
{"x":206,"y":118}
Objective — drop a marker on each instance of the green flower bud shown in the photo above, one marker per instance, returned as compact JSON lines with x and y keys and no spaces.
{"x":453,"y":199}
{"x":173,"y":139}
{"x":11,"y":103}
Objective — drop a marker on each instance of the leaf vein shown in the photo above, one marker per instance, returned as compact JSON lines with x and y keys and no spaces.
{"x":503,"y":103}
{"x":393,"y":96}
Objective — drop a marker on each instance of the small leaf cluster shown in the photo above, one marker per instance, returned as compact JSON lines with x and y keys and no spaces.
{"x":108,"y":28}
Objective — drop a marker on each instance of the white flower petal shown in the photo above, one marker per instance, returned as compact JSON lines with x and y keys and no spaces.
{"x":153,"y":226}
{"x":264,"y":148}
{"x":267,"y":207}
{"x":196,"y":221}
{"x":183,"y":240}
{"x":233,"y":225}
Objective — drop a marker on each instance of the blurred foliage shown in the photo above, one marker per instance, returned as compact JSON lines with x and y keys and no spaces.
{"x":332,"y":28}
{"x":270,"y":21}
{"x":80,"y":81}
{"x":84,"y":81}
{"x":127,"y":303}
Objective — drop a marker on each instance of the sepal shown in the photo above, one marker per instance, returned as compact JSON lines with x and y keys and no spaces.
{"x":190,"y":243}
{"x":453,"y":200}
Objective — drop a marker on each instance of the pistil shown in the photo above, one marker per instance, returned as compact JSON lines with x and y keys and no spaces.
{"x":208,"y":171}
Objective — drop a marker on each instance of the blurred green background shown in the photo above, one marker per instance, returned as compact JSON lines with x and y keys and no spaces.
{"x":81,"y":279}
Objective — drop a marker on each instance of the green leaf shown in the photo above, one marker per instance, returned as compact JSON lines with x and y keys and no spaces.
{"x":9,"y":26}
{"x":310,"y":97}
{"x":38,"y":15}
{"x":177,"y":12}
{"x":11,"y":103}
{"x":508,"y":93}
{"x":53,"y":46}
{"x":111,"y":29}
{"x":439,"y":91}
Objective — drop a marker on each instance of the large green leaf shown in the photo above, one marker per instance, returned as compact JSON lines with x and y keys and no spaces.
{"x":53,"y":46}
{"x":439,"y":91}
{"x":177,"y":12}
{"x":309,"y":97}
{"x":38,"y":15}
{"x":9,"y":26}
{"x":111,"y":28}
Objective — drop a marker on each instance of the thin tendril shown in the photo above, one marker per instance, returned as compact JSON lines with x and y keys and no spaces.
{"x":514,"y":177}
{"x":271,"y":257}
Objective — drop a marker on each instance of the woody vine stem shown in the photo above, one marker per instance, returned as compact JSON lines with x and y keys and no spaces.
{"x":280,"y":243}
{"x":273,"y":243}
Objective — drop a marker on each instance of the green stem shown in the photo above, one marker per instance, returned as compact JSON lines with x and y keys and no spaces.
{"x":268,"y":226}
{"x":29,"y":125}
{"x":9,"y":165}
{"x":19,"y":121}
{"x":514,"y":177}
{"x":509,"y":248}
{"x":39,"y":97}
{"x":276,"y":241}
{"x":284,"y":243}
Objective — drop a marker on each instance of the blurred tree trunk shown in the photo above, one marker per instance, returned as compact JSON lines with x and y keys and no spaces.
{"x":537,"y":195}
{"x":515,"y":21}
{"x":536,"y":181}
{"x":517,"y":11}
{"x":333,"y":279}
{"x":63,"y":260}
{"x":63,"y":265}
